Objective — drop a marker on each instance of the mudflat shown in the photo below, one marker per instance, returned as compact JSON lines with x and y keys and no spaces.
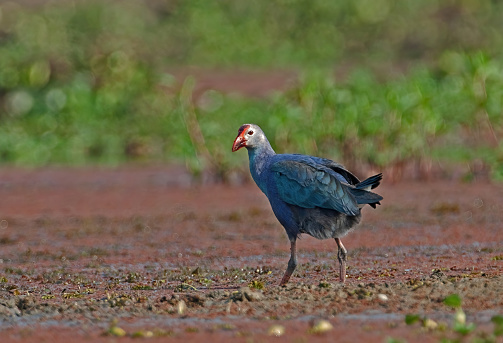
{"x":94,"y":254}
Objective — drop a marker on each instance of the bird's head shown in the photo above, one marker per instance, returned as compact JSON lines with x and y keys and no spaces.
{"x":249,"y":136}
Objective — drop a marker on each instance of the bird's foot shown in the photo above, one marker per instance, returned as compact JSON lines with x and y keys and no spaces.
{"x":342,"y":271}
{"x":285,"y":279}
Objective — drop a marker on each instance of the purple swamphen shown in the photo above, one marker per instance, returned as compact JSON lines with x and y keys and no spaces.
{"x":307,"y":194}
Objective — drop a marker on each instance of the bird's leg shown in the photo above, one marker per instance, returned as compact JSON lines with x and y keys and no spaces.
{"x":342,"y":256}
{"x":292,"y":263}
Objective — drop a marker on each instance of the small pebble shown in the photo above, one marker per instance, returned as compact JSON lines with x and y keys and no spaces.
{"x":117,"y":331}
{"x":276,"y":330}
{"x":251,"y":295}
{"x":321,"y":326}
{"x":430,"y":324}
{"x":181,"y":307}
{"x":460,"y":317}
{"x":382,"y":297}
{"x":142,"y":334}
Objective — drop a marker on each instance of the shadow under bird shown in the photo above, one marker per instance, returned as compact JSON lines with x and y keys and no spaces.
{"x":308,"y":194}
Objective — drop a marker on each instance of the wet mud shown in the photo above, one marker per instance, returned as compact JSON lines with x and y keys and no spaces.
{"x":141,"y":253}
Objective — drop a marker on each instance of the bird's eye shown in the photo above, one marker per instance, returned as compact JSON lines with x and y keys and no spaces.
{"x":250,"y":132}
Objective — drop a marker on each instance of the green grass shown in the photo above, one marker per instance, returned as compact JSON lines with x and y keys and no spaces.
{"x":460,"y":328}
{"x":88,"y":82}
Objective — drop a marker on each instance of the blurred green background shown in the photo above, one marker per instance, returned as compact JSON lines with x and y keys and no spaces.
{"x":376,"y":83}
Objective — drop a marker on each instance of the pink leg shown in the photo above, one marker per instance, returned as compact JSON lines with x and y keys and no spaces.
{"x":342,"y":256}
{"x":292,"y":263}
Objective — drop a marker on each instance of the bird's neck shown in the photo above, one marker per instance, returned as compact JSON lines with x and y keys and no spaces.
{"x":259,"y":161}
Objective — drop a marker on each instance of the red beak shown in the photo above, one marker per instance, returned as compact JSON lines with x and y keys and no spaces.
{"x":239,"y":142}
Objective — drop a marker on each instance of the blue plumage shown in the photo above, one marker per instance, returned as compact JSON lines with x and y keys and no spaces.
{"x":305,"y":184}
{"x":307,"y":194}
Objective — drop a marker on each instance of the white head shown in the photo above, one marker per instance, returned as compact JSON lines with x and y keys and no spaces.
{"x":249,"y":136}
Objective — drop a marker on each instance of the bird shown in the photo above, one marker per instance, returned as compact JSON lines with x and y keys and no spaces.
{"x":308,"y":195}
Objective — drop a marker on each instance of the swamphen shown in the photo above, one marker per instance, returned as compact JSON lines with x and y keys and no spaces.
{"x":307,"y":194}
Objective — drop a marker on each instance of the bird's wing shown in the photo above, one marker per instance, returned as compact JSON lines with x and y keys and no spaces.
{"x":339,"y":169}
{"x":310,"y":185}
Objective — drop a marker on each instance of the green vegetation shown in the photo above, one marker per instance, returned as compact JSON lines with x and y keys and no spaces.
{"x":257,"y":284}
{"x":459,"y":328}
{"x":91,"y":82}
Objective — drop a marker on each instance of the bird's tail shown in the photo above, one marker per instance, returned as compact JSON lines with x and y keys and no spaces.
{"x":362,"y":193}
{"x":370,"y":183}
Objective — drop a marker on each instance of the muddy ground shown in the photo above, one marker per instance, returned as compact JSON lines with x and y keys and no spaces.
{"x":88,"y":251}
